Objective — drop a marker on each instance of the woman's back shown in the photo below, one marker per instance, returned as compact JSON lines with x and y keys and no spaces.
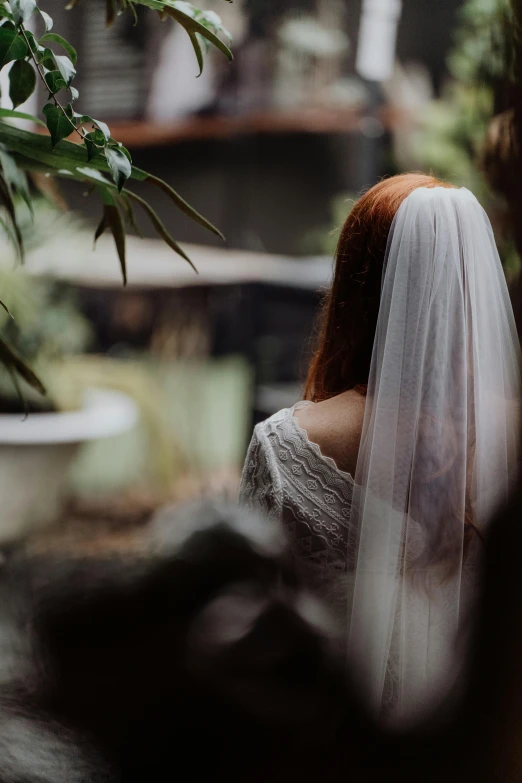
{"x":335,"y":425}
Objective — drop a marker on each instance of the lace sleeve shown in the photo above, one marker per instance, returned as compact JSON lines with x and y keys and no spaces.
{"x":261,"y":488}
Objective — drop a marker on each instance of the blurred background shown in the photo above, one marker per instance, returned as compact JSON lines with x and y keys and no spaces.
{"x":324,"y":97}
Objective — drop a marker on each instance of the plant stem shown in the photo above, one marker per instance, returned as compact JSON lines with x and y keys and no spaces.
{"x":57,"y":103}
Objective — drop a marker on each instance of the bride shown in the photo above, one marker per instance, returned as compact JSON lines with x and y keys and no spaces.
{"x":385,"y":477}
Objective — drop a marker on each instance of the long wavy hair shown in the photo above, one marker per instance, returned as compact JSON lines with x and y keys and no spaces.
{"x":348,"y":318}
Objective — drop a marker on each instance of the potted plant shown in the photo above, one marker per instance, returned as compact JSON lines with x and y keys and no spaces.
{"x":40,"y":435}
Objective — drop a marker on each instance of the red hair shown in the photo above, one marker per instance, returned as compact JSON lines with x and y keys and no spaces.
{"x":346,"y":335}
{"x":349,"y":314}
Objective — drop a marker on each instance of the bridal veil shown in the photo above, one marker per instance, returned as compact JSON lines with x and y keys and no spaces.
{"x":438,"y":450}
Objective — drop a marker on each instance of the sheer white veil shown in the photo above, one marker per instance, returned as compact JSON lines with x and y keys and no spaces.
{"x":438,"y":449}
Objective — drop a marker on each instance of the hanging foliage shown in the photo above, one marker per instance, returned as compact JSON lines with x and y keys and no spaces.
{"x":95,"y":157}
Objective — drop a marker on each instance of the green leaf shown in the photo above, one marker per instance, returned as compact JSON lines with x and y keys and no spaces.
{"x":114,"y":222}
{"x":197,"y":49}
{"x":22,"y":82}
{"x":35,"y":49}
{"x":65,"y":67}
{"x":5,"y":13}
{"x":22,"y":10}
{"x":84,"y":118}
{"x":55,"y":82}
{"x":192,"y":25}
{"x":3,"y":304}
{"x":130,"y":215}
{"x":95,"y":143}
{"x":34,"y":152}
{"x":93,"y":174}
{"x":9,"y":171}
{"x":12,"y":46}
{"x":193,"y":20}
{"x":55,"y":38}
{"x":160,"y":228}
{"x":14,"y":178}
{"x":58,"y":124}
{"x":183,"y":205}
{"x":135,"y":15}
{"x":47,"y":58}
{"x":120,"y":146}
{"x":119,"y":165}
{"x":12,"y":360}
{"x":20,"y":115}
{"x":47,"y":20}
{"x":97,"y":177}
{"x":102,"y":126}
{"x":6,"y":199}
{"x":101,"y":228}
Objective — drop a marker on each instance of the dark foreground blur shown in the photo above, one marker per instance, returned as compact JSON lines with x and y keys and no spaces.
{"x":197,"y":655}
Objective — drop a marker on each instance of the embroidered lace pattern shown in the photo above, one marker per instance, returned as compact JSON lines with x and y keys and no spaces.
{"x":289,"y":480}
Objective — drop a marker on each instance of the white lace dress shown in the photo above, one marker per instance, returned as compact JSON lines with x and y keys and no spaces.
{"x":288,"y":480}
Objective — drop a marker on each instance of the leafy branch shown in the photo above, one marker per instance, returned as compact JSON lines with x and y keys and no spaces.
{"x":97,"y":158}
{"x":42,"y":74}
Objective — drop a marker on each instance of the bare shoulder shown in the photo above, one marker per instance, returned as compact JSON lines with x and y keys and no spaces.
{"x":336,"y":426}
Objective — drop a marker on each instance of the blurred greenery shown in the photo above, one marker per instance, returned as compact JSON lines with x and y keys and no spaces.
{"x":263,"y":14}
{"x":44,"y":323}
{"x":26,"y":45}
{"x":194,"y":423}
{"x":322,"y":240}
{"x":453,"y":127}
{"x":482,"y":52}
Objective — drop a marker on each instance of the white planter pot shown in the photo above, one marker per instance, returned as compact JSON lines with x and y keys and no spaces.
{"x":36,"y":454}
